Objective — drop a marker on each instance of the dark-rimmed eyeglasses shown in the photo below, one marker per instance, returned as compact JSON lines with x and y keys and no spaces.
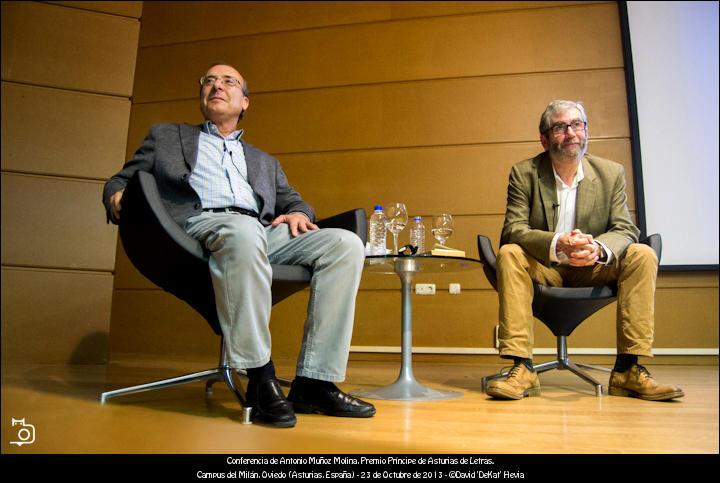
{"x":561,"y":127}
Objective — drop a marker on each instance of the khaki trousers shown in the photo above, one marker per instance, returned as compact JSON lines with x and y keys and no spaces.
{"x":635,"y":274}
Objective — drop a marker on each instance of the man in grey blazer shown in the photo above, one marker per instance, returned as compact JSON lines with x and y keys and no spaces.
{"x":236,"y":200}
{"x":567,"y":224}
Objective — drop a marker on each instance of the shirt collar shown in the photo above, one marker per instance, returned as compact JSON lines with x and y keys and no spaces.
{"x":210,"y":128}
{"x":579,"y":176}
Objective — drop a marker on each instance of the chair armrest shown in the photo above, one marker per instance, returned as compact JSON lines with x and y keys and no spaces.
{"x":486,"y":252}
{"x":655,"y":242}
{"x":487,"y":258}
{"x":149,"y":189}
{"x":353,"y":220}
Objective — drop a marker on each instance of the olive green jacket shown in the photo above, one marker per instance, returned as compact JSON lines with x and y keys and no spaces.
{"x":601,"y":206}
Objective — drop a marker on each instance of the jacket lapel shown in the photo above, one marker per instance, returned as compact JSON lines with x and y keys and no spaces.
{"x":548,"y":191}
{"x":189,"y":140}
{"x":252,"y":161}
{"x":257,"y":176}
{"x":586,"y":197}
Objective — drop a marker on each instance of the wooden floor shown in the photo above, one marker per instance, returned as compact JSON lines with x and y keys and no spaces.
{"x":62,"y":403}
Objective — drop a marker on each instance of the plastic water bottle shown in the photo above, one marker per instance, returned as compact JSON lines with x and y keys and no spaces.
{"x":378,"y":232}
{"x":417,"y":234}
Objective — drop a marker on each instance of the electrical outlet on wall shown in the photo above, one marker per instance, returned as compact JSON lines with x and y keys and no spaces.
{"x":424,"y":289}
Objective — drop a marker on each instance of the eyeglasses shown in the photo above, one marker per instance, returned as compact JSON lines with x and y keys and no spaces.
{"x":227,"y":81}
{"x":561,"y":127}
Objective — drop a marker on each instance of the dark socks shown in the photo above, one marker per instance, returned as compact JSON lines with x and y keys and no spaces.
{"x":528,"y":363}
{"x":261,"y":374}
{"x":307,"y":382}
{"x":623,"y":362}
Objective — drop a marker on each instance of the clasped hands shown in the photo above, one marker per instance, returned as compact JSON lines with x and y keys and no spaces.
{"x":580,"y":248}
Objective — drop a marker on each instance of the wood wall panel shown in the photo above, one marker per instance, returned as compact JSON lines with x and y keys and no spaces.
{"x":127,"y":9}
{"x":156,"y":322}
{"x":416,"y":49}
{"x":442,"y":320}
{"x":689,"y":280}
{"x":61,"y":221}
{"x":55,"y":316}
{"x":427,"y":113}
{"x":687,"y":317}
{"x":431,"y":113}
{"x":84,"y":135}
{"x":177,"y":21}
{"x":445,"y":179}
{"x":67,"y":48}
{"x":67,"y":75}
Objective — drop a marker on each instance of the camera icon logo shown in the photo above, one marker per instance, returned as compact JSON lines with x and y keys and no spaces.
{"x":26,"y":432}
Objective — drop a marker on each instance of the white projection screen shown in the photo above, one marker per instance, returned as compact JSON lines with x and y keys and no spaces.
{"x":672,"y":70}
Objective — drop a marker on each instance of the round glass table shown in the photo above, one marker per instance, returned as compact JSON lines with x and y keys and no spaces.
{"x":406,"y":387}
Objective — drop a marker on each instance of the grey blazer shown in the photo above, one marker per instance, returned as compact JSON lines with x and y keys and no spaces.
{"x":170,"y":152}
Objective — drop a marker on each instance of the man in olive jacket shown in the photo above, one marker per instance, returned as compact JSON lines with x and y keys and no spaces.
{"x":567,"y":224}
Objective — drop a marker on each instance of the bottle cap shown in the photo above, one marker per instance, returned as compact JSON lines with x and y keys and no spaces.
{"x":378,"y":208}
{"x":418,"y":218}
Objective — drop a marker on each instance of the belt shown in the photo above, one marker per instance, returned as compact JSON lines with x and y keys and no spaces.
{"x":234,"y":209}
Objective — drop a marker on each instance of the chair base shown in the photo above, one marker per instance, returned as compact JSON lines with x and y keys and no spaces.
{"x":562,"y":362}
{"x":223,"y":372}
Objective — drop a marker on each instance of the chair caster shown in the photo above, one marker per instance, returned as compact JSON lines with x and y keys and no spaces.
{"x":246,"y":414}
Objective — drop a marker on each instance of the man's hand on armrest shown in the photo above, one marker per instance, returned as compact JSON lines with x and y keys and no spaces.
{"x":115,"y":204}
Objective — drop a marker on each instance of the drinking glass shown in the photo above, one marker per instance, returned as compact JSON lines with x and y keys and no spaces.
{"x":442,"y":227}
{"x":397,"y":218}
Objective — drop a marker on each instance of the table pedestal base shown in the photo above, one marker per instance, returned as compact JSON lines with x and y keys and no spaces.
{"x":406,"y":391}
{"x":406,"y":388}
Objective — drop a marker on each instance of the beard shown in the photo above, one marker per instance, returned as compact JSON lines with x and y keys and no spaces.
{"x":573,"y":150}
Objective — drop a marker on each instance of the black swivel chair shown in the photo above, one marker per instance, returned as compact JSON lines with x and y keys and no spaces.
{"x":561,"y":309}
{"x":177,"y":263}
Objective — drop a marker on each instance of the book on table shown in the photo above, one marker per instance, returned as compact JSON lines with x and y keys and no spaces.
{"x":443,"y":251}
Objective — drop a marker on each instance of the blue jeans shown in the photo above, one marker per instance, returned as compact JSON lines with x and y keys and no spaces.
{"x":241,"y":251}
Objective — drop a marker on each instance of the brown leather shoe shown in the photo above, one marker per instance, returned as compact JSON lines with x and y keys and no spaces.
{"x":637,"y":382}
{"x":520,"y":382}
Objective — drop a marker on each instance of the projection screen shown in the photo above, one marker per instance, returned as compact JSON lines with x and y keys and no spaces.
{"x":672,"y":75}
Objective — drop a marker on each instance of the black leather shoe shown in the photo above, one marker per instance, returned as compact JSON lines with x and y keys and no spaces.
{"x":269,"y":405}
{"x":324,"y":397}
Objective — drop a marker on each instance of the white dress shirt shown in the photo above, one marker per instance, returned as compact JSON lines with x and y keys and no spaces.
{"x":567,"y":198}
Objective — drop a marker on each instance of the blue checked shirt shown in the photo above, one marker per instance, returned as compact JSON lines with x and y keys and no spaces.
{"x":220,"y":174}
